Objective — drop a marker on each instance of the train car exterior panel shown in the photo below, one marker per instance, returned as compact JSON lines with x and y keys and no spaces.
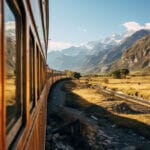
{"x":37,"y":126}
{"x":25,"y":79}
{"x":19,"y":134}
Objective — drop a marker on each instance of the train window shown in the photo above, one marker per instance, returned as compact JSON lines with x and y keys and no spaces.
{"x":12,"y":76}
{"x":35,"y":5}
{"x":32,"y":72}
{"x":40,"y":73}
{"x":38,"y":76}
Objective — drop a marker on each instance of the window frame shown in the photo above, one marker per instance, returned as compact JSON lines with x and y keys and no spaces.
{"x":41,"y":73}
{"x":38,"y":71}
{"x":13,"y":127}
{"x":32,"y":104}
{"x":2,"y":85}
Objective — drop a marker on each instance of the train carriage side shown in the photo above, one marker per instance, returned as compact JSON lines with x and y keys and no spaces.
{"x":23,"y":79}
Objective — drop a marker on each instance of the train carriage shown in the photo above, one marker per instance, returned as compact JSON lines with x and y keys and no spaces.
{"x":24,"y":79}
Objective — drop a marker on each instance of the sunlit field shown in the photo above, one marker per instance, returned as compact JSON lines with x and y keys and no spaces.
{"x":133,"y":85}
{"x":10,"y":96}
{"x":10,"y":93}
{"x":88,"y":99}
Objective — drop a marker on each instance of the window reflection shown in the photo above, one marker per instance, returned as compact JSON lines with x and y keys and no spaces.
{"x":38,"y":20}
{"x":32,"y":67}
{"x":11,"y":67}
{"x":38,"y":76}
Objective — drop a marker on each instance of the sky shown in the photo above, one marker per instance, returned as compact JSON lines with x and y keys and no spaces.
{"x":74,"y":22}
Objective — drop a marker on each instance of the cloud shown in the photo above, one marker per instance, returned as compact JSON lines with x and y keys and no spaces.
{"x":134,"y":26}
{"x":82,"y":29}
{"x":53,"y":45}
{"x":147,"y":25}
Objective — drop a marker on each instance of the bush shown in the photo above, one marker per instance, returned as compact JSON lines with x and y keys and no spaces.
{"x":121,"y":73}
{"x":116,"y":74}
{"x":105,"y":80}
{"x":124,"y":71}
{"x":76,"y":75}
{"x":136,"y":93}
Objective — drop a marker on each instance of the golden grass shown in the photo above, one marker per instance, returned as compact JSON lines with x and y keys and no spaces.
{"x":140,"y":84}
{"x":10,"y":91}
{"x":91,"y":96}
{"x":90,"y":100}
{"x":133,"y":85}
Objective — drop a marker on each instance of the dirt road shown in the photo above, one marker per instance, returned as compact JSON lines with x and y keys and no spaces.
{"x":56,"y":97}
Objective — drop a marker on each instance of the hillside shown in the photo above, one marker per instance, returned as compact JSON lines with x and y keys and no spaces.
{"x":115,"y":53}
{"x":137,"y":57}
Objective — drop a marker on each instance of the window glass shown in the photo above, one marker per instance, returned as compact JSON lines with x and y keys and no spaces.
{"x":35,"y":5}
{"x":44,"y":5}
{"x":41,"y":70}
{"x":13,"y":101}
{"x":31,"y":64}
{"x":40,"y":74}
{"x":38,"y":79}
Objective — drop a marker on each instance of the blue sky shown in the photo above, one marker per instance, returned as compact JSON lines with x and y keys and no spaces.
{"x":73,"y":22}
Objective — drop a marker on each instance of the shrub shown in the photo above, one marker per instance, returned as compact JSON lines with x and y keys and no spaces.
{"x":124,"y":71}
{"x":116,"y":74}
{"x":76,"y":75}
{"x":105,"y":80}
{"x":121,"y":73}
{"x":136,"y":93}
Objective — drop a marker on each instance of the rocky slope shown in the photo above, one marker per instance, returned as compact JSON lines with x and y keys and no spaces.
{"x":137,"y":57}
{"x":111,"y":56}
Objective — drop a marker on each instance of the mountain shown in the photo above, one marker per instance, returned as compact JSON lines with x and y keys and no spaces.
{"x":115,"y":53}
{"x":137,"y":57}
{"x":75,"y":58}
{"x":70,"y":58}
{"x":95,"y":56}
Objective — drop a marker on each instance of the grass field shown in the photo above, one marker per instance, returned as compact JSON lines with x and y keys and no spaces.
{"x":133,"y":85}
{"x":79,"y":96}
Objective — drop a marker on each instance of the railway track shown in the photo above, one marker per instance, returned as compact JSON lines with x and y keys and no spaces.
{"x":123,"y":96}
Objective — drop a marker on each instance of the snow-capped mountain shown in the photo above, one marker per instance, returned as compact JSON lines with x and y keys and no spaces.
{"x":94,"y":56}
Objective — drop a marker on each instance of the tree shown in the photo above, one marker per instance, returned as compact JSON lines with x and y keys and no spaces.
{"x":121,"y":73}
{"x":124,"y":71}
{"x":116,"y":74}
{"x":76,"y":75}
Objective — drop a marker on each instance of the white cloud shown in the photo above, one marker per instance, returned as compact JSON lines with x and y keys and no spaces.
{"x":147,"y":25}
{"x":133,"y":26}
{"x":53,"y":45}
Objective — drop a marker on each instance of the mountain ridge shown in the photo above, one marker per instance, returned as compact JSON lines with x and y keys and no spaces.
{"x":137,"y":57}
{"x":95,"y":56}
